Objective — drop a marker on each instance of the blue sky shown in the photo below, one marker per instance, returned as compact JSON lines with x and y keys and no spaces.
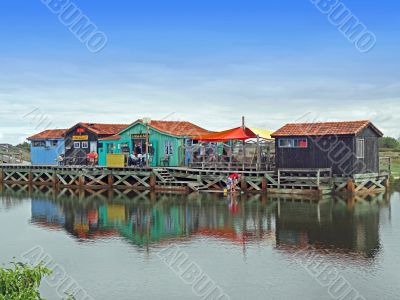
{"x":209,"y":62}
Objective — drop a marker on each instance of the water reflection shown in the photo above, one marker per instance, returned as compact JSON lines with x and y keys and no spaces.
{"x":335,"y":225}
{"x":150,"y":220}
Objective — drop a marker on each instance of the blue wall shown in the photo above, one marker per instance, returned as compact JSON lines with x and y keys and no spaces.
{"x":48,"y":154}
{"x":48,"y":211}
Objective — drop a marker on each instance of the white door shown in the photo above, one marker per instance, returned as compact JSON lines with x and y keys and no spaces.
{"x":93,"y":147}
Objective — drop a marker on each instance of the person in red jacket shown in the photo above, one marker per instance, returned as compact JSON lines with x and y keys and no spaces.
{"x":234,"y":178}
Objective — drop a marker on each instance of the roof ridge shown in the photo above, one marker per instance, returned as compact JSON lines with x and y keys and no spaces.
{"x":329,"y":122}
{"x":325,"y":128}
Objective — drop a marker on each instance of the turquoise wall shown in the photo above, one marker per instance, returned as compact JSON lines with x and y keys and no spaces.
{"x":156,"y":138}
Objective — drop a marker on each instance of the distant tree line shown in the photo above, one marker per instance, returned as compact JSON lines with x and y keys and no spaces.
{"x":25,"y":146}
{"x":389,"y":143}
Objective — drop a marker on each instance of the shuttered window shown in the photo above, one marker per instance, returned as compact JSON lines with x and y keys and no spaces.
{"x":360,"y":148}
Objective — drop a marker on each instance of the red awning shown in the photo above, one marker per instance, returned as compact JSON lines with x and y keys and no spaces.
{"x":235,"y":134}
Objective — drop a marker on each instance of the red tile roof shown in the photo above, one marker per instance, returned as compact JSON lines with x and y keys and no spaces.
{"x":179,"y":128}
{"x":48,"y":134}
{"x":103,"y":129}
{"x":325,"y":128}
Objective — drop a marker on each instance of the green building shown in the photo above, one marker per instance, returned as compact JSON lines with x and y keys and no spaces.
{"x":167,"y":140}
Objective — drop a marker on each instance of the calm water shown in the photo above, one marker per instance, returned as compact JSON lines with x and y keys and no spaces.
{"x":119,"y":247}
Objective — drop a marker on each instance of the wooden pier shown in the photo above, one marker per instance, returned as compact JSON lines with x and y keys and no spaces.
{"x":314,"y":182}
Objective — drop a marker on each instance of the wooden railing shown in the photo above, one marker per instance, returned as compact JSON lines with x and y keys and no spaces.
{"x":385,"y":165}
{"x":10,"y":155}
{"x":304,"y":177}
{"x":11,"y":158}
{"x":233,"y":166}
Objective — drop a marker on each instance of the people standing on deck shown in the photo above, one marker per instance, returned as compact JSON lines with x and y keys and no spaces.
{"x":133,"y":159}
{"x":92,"y":157}
{"x":138,"y":149}
{"x":140,"y":159}
{"x":89,"y":158}
{"x":60,"y":160}
{"x":95,"y":158}
{"x":130,"y":159}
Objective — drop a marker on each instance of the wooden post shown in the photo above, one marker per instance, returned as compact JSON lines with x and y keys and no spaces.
{"x":55,"y":178}
{"x":147,"y":144}
{"x":264,"y":184}
{"x":191,"y":155}
{"x":81,"y":179}
{"x":110,"y":180}
{"x":258,"y":153}
{"x":279,"y":179}
{"x":153,"y":181}
{"x":244,"y":153}
{"x":30,"y":177}
{"x":350,"y":186}
{"x":203,"y":156}
{"x":1,"y":176}
{"x":244,"y":144}
{"x":243,"y":184}
{"x":386,"y":183}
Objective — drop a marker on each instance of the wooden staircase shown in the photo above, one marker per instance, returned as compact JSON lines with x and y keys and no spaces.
{"x":164,"y":176}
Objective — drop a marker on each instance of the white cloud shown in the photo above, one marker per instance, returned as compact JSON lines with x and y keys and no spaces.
{"x":215,"y":99}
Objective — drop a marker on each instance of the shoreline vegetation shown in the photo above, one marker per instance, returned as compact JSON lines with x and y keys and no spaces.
{"x":390,"y":147}
{"x":22,"y":281}
{"x":394,"y":154}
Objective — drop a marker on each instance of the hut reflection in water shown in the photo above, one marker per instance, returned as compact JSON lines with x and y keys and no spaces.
{"x":150,"y":220}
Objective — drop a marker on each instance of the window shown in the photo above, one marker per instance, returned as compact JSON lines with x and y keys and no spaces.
{"x":54,"y":143}
{"x":286,"y":143}
{"x":38,"y":144}
{"x":124,"y":148}
{"x":77,"y":145}
{"x":85,"y":145}
{"x":360,"y":148}
{"x":293,"y":143}
{"x":168,"y":148}
{"x":110,"y":148}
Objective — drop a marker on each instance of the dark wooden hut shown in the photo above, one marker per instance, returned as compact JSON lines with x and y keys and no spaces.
{"x":346,"y":147}
{"x":82,"y":138}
